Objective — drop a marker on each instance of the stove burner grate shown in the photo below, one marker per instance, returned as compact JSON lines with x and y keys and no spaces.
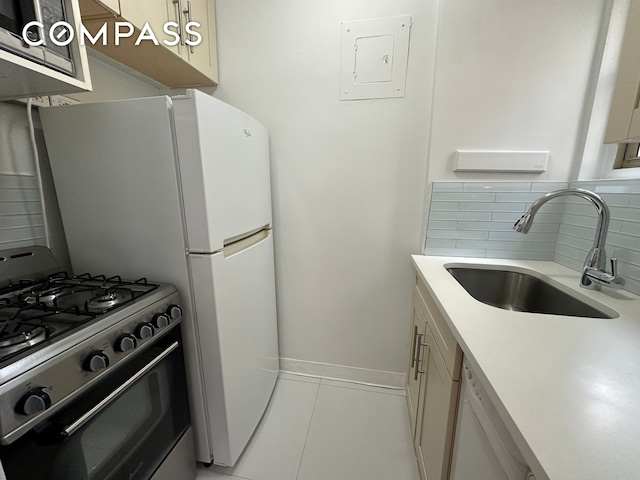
{"x":32,"y":311}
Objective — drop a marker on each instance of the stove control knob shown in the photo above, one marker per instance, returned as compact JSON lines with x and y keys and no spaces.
{"x":126,"y":342}
{"x":145,"y":330}
{"x":35,"y":401}
{"x":174,"y":312}
{"x":160,"y":320}
{"x":96,"y":361}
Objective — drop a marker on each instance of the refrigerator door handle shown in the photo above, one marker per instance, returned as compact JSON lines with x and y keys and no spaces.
{"x":245,"y":243}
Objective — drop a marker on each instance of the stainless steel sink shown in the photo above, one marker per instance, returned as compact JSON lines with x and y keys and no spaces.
{"x":520,"y":292}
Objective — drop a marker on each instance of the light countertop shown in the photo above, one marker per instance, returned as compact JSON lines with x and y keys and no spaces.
{"x":567,"y":388}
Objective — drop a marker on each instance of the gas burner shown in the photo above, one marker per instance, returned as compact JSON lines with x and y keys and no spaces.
{"x":15,"y":336}
{"x":108,"y":300}
{"x":46,"y":295}
{"x":40,"y":311}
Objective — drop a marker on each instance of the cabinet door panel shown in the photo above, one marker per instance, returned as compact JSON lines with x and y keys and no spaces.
{"x":202,"y":56}
{"x":624,"y":121}
{"x":444,"y":337}
{"x":413,"y":374}
{"x":155,"y":13}
{"x":434,"y":437}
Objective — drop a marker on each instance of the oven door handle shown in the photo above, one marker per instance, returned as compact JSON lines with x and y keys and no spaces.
{"x":74,"y":426}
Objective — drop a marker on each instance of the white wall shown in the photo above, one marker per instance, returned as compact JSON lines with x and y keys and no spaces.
{"x":515,"y":75}
{"x":114,"y":81}
{"x":348,"y":177}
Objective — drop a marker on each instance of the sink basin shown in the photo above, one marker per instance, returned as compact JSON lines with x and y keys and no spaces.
{"x":520,"y":292}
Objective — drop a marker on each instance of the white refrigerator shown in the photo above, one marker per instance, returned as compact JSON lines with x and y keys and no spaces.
{"x":178,"y":190}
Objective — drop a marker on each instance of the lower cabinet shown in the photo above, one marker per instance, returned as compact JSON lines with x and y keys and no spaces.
{"x":433,"y":385}
{"x":414,"y":375}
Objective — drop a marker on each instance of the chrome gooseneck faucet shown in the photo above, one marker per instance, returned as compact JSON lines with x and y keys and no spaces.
{"x":594,"y":272}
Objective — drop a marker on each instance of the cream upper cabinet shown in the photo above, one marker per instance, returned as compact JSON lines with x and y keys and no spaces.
{"x":112,"y":5}
{"x":433,"y":385}
{"x":179,"y":65}
{"x":204,"y":57}
{"x":156,"y":13}
{"x":624,"y":116}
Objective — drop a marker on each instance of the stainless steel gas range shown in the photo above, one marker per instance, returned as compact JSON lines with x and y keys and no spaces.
{"x":92,"y":382}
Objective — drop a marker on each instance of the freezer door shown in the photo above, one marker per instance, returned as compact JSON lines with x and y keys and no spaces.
{"x":235,"y":304}
{"x":224,"y":164}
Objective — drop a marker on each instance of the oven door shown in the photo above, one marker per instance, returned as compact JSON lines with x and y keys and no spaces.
{"x":122,"y":429}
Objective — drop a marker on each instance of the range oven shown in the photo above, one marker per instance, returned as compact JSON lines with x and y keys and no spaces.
{"x":92,"y":378}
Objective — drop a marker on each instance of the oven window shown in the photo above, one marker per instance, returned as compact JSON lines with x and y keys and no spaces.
{"x":127,"y":440}
{"x":120,"y":428}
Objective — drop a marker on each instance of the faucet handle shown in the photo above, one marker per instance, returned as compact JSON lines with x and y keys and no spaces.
{"x":614,"y":267}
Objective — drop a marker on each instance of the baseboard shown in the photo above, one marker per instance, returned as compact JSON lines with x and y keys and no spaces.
{"x":342,"y":372}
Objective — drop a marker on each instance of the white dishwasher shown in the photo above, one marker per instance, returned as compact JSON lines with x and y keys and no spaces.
{"x":484,"y":448}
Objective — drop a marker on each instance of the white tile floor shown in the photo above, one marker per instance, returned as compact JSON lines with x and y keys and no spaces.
{"x":317,"y":429}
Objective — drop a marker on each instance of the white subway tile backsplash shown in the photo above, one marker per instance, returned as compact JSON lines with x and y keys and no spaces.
{"x":540,"y":217}
{"x":493,"y":207}
{"x":447,"y":187}
{"x":19,"y":195}
{"x":623,"y":240}
{"x":519,"y":237}
{"x":16,"y":221}
{"x":568,"y":251}
{"x":457,"y":234}
{"x":490,"y":226}
{"x":546,"y":187}
{"x":474,"y":219}
{"x":630,"y":228}
{"x":527,"y":197}
{"x":497,"y":187}
{"x":583,"y":243}
{"x":462,"y":197}
{"x":584,"y":209}
{"x":11,"y":235}
{"x":482,"y":209}
{"x":632,"y":285}
{"x":615,"y":199}
{"x":456,"y":252}
{"x":579,"y":221}
{"x":510,"y":246}
{"x":444,"y":206}
{"x":634,"y":200}
{"x":444,"y":215}
{"x":523,"y":255}
{"x":555,"y":206}
{"x":21,"y":222}
{"x":569,"y":262}
{"x":625,"y":213}
{"x":632,"y":272}
{"x":20,"y":208}
{"x":626,"y":255}
{"x":629,"y":186}
{"x":18,"y":181}
{"x":616,"y":225}
{"x":440,"y":243}
{"x":442,"y":224}
{"x":566,"y":229}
